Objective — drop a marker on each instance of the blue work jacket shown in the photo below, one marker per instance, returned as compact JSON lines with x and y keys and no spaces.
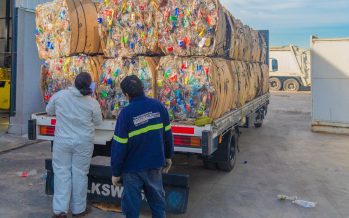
{"x":143,"y":137}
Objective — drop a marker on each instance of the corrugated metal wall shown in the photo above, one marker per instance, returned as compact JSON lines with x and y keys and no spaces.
{"x":29,"y":4}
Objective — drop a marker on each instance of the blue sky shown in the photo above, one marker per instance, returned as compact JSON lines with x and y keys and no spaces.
{"x":293,"y":21}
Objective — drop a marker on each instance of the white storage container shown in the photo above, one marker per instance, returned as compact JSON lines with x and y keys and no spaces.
{"x":330,"y":85}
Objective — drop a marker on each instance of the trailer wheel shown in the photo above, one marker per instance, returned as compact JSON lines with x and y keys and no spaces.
{"x":291,"y":85}
{"x":275,"y":84}
{"x":228,"y":165}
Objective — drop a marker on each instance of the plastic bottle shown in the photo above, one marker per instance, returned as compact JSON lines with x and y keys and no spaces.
{"x":306,"y":204}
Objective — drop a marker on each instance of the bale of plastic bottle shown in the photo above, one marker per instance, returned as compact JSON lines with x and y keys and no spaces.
{"x":193,"y":88}
{"x":128,"y":28}
{"x":67,"y":27}
{"x":109,"y":93}
{"x":265,"y":73}
{"x":251,"y":80}
{"x":205,"y":28}
{"x":58,"y":74}
{"x":196,"y":87}
{"x":245,"y":43}
{"x":194,"y":27}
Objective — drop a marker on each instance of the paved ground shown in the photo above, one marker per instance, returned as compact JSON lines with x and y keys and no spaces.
{"x":10,"y":142}
{"x":283,"y":157}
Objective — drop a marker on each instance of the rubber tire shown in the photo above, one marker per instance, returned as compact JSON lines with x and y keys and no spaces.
{"x":229,"y":165}
{"x":293,"y":82}
{"x":278,"y":86}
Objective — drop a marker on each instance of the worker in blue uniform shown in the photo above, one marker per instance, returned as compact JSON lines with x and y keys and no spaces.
{"x":142,"y":149}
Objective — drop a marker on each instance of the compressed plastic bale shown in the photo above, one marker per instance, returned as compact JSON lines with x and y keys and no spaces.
{"x":67,"y":27}
{"x":58,"y":74}
{"x":265,"y":73}
{"x":258,"y":83}
{"x":109,"y":93}
{"x":194,"y":27}
{"x":205,"y":28}
{"x":245,"y":81}
{"x":128,"y":28}
{"x":246,"y":44}
{"x":196,"y":87}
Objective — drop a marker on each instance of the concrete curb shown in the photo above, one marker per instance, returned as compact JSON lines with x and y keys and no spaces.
{"x":10,"y":143}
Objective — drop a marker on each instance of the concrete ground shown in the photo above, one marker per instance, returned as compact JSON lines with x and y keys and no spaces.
{"x":9,"y":142}
{"x":283,"y":157}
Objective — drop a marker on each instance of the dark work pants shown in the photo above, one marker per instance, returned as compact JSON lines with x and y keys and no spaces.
{"x":151,"y":182}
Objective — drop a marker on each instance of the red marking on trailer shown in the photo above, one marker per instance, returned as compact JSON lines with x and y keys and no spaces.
{"x":53,"y":122}
{"x":183,"y":130}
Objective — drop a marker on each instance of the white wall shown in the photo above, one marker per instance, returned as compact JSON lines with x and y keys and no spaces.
{"x":330,"y":80}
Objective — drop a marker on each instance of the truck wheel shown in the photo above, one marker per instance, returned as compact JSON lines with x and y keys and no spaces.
{"x":228,"y":165}
{"x":260,"y":114}
{"x":291,"y":85}
{"x":275,"y":84}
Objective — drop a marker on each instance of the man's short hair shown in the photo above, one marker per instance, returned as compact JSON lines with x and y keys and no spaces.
{"x":132,"y":86}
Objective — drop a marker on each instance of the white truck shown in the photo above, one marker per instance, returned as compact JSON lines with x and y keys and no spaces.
{"x":216,"y":144}
{"x":289,"y":68}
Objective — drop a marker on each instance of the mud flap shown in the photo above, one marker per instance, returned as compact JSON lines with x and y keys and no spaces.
{"x":100,"y":189}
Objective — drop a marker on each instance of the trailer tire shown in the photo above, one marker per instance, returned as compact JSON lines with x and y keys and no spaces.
{"x":275,"y":84}
{"x":258,"y":125}
{"x":291,"y":85}
{"x":229,"y":165}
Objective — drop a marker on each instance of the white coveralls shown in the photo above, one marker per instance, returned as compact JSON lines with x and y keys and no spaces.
{"x":77,"y":116}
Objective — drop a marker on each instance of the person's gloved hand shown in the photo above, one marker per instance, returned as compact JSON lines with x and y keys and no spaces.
{"x":116,"y":181}
{"x":167,"y":166}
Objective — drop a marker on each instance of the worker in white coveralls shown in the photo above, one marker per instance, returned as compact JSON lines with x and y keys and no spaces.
{"x":77,"y":114}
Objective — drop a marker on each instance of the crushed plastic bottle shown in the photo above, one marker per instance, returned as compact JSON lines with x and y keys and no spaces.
{"x":295,"y":200}
{"x":306,"y":204}
{"x":25,"y":174}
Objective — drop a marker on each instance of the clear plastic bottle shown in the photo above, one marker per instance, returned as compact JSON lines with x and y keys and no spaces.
{"x":306,"y":204}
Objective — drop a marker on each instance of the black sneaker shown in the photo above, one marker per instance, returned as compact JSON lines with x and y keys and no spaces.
{"x":86,"y":212}
{"x":61,"y":215}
